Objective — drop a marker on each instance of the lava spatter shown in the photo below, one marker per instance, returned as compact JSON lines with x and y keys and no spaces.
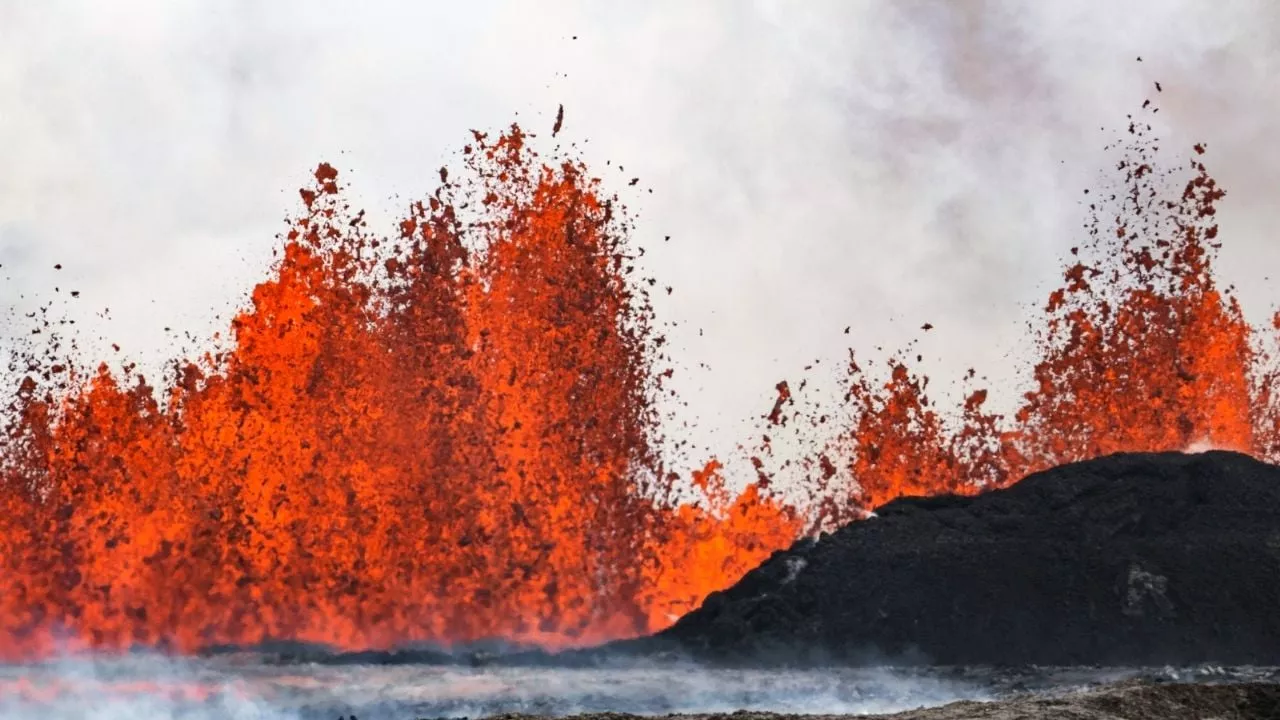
{"x":1139,"y":349}
{"x":442,"y":436}
{"x":449,"y":434}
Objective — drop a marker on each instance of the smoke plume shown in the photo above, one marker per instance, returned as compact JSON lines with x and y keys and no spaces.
{"x":818,"y":165}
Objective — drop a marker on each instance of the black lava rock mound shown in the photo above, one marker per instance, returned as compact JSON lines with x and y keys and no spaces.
{"x":1134,"y":559}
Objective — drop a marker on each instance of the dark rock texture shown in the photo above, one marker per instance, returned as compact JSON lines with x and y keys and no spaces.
{"x":1256,"y":701}
{"x":1133,"y":559}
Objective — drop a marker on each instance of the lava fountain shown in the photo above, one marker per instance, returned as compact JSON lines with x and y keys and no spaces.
{"x":1139,"y":349}
{"x":442,"y":436}
{"x":451,"y":434}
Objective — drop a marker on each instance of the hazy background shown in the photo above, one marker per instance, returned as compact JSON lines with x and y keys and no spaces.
{"x":817,"y":164}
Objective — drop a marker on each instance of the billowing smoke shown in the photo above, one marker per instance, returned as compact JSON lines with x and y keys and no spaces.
{"x":819,"y":165}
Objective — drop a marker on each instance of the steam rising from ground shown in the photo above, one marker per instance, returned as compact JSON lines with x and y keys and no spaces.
{"x":154,"y":688}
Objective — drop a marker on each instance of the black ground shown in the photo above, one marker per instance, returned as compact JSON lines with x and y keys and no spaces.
{"x":1134,"y":559}
{"x":1122,"y":702}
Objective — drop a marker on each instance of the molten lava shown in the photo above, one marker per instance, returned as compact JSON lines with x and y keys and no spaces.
{"x":451,"y":434}
{"x":440,"y":437}
{"x":1139,"y":350}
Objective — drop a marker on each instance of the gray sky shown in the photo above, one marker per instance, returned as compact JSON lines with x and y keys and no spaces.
{"x":818,"y":164}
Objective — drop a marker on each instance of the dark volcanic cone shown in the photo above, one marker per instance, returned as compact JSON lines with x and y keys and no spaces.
{"x":1128,"y":559}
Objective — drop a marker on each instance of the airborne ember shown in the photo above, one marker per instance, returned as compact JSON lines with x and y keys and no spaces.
{"x":451,"y":434}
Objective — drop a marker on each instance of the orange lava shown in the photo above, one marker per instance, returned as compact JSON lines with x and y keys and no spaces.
{"x":1139,"y":350}
{"x":440,"y":437}
{"x":450,"y":434}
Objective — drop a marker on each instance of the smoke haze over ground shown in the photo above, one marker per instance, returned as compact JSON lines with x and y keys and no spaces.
{"x":249,"y":687}
{"x":245,"y":689}
{"x":818,"y":165}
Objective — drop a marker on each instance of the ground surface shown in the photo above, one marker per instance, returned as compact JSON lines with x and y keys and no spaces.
{"x":264,"y":687}
{"x":1143,"y":559}
{"x":1253,"y":701}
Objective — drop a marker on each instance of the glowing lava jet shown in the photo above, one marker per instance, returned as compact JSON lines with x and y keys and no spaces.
{"x":450,"y":434}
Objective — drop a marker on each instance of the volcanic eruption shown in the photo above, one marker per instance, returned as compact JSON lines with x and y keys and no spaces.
{"x":1139,"y":349}
{"x":440,"y":436}
{"x":450,"y":433}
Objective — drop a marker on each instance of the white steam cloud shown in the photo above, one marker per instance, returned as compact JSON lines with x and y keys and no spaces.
{"x":819,"y":164}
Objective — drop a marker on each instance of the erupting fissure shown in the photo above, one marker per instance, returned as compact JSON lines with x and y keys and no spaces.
{"x":1138,"y":350}
{"x":451,"y":434}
